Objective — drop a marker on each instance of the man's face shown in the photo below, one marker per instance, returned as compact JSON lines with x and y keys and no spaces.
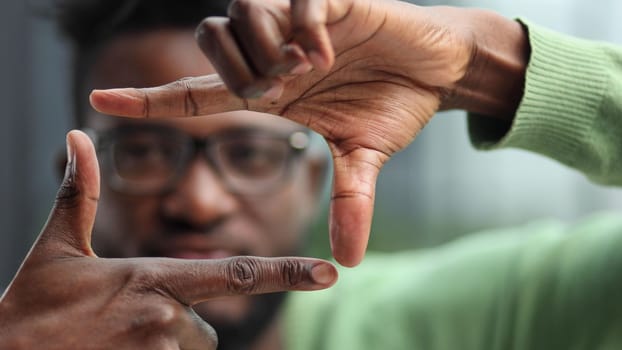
{"x":202,"y":213}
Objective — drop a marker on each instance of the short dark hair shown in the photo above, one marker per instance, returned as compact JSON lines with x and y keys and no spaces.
{"x":88,"y":24}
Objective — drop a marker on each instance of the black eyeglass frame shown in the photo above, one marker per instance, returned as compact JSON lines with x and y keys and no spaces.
{"x":296,"y":141}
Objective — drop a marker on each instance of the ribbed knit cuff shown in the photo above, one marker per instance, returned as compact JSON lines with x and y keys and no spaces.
{"x":565,"y":83}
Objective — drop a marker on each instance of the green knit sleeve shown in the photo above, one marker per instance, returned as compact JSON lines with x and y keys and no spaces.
{"x":541,"y":286}
{"x":571,"y":109}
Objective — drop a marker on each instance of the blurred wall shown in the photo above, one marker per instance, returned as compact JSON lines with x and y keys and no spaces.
{"x":437,"y":189}
{"x":34,"y":100}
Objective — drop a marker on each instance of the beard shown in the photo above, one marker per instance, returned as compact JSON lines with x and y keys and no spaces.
{"x":233,"y":334}
{"x":241,"y":334}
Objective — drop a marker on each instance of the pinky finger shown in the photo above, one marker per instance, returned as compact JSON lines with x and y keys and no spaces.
{"x":309,"y":19}
{"x":217,"y":41}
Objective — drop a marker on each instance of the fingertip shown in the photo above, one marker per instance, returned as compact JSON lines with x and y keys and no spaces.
{"x":347,"y":259}
{"x":126,"y":102}
{"x":79,"y":142}
{"x":71,"y":148}
{"x":75,"y":136}
{"x":302,"y":68}
{"x":83,"y":160}
{"x":319,"y":61}
{"x":97,"y":99}
{"x":349,"y":227}
{"x":324,"y":274}
{"x":273,"y":93}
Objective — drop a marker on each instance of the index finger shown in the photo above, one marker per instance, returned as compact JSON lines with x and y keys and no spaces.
{"x":186,"y":97}
{"x":194,"y":281}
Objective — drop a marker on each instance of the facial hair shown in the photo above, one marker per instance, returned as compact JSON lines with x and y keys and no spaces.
{"x":241,"y":334}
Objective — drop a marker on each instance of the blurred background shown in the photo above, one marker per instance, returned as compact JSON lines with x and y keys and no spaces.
{"x":436,"y":190}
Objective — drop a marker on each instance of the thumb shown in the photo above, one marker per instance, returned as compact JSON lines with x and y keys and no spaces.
{"x":352,"y":202}
{"x":69,"y":226}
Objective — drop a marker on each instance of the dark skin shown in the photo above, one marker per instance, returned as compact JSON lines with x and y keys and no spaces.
{"x":366,"y":75}
{"x":200,"y":217}
{"x":65,"y":297}
{"x":380,"y":71}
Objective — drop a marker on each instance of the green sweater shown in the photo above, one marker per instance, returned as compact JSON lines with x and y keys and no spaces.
{"x":542,"y":286}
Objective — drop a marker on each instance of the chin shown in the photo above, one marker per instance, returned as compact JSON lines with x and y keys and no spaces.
{"x":227,"y":310}
{"x":239,"y":321}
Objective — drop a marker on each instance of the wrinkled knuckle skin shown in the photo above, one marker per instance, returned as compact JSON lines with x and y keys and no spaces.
{"x":242,"y":276}
{"x":191,"y":107}
{"x":147,"y":280}
{"x":294,"y":273}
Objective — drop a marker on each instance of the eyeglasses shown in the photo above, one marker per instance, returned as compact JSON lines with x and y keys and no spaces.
{"x":152,"y":159}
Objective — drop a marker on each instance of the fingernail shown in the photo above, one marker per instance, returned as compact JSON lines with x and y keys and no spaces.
{"x":125,"y":102}
{"x":293,"y":52}
{"x":317,"y":60}
{"x":301,"y":68}
{"x":274,"y":93}
{"x":323,"y":273}
{"x":70,"y":169}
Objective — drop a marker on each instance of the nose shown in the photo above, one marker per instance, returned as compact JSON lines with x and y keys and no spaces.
{"x":200,"y":197}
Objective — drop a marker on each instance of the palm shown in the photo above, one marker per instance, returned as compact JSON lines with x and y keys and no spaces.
{"x":374,"y":87}
{"x":375,"y":98}
{"x":375,"y":113}
{"x":364,"y":122}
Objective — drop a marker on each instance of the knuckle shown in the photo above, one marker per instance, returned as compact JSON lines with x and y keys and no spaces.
{"x":242,"y":275}
{"x":293,"y":273}
{"x":156,"y":317}
{"x":207,"y":333}
{"x":191,"y":107}
{"x":143,"y":278}
{"x":147,"y":280}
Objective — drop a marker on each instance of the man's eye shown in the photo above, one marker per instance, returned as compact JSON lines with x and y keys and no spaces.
{"x":254,"y":159}
{"x":139,"y":158}
{"x":143,"y":152}
{"x":136,"y":151}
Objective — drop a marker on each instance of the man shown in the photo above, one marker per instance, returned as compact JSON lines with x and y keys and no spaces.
{"x":245,"y":186}
{"x":491,"y":291}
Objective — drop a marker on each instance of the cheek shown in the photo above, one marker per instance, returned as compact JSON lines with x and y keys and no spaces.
{"x":284,"y":218}
{"x":123,"y":223}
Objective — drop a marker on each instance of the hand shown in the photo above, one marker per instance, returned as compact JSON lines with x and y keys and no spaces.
{"x":64,"y":297}
{"x":382,"y":69}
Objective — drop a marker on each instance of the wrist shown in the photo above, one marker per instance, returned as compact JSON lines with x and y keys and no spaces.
{"x":494,"y":82}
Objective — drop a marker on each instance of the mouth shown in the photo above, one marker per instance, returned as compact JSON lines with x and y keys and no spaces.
{"x":195,"y":246}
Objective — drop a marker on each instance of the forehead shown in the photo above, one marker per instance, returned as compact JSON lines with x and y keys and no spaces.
{"x":157,"y":57}
{"x":148,"y":58}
